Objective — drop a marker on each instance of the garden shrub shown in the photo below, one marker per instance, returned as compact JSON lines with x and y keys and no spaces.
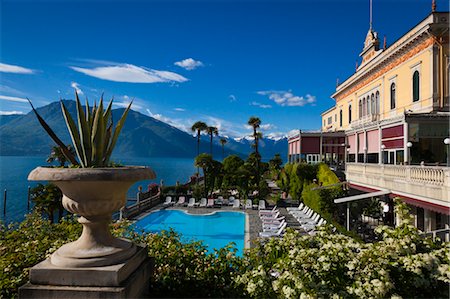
{"x":403,"y":263}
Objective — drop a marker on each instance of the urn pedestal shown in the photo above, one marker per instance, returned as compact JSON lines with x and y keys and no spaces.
{"x":97,"y":265}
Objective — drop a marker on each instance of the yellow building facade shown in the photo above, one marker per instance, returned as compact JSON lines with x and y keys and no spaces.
{"x":394,"y":111}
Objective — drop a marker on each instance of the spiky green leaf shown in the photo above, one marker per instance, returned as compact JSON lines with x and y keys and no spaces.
{"x":55,"y":138}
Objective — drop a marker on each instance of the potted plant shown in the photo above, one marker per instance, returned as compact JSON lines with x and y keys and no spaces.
{"x":91,"y":187}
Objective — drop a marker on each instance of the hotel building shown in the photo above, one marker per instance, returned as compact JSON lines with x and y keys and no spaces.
{"x":394,"y":115}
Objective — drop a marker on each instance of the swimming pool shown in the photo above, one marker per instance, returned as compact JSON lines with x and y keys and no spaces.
{"x":215,"y":230}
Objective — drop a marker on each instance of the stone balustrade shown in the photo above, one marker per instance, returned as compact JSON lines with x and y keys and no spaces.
{"x":432,"y":182}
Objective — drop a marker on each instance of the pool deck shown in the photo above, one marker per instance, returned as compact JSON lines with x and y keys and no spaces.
{"x":253,"y":223}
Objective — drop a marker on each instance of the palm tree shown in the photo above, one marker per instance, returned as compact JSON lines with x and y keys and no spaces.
{"x":212,"y":131}
{"x":223,"y":141}
{"x":198,"y":127}
{"x":204,"y":161}
{"x":255,"y":122}
{"x":58,"y":155}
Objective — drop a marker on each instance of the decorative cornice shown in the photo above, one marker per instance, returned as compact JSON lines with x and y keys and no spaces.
{"x":366,"y":79}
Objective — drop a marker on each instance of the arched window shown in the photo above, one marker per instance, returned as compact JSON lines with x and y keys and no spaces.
{"x":360,"y":108}
{"x":393,"y":96}
{"x":350,"y":113}
{"x":340,"y":118}
{"x":367,"y":105}
{"x":364,"y":107}
{"x":377,"y":102}
{"x":372,"y":104}
{"x":416,"y":82}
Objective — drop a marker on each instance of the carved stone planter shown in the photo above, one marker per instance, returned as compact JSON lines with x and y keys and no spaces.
{"x":94,"y":194}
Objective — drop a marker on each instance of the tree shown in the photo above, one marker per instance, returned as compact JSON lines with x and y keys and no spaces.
{"x":58,"y":155}
{"x":47,"y":200}
{"x":198,"y":127}
{"x":223,"y":141}
{"x":204,"y":161}
{"x":276,"y":162}
{"x":255,"y":122}
{"x":231,"y":165}
{"x":212,"y":131}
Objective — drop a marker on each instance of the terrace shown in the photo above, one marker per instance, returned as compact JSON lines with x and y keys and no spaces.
{"x":426,"y":183}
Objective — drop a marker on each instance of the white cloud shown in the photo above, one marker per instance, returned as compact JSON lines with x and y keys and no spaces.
{"x":287,"y":98}
{"x":232,"y":98}
{"x":189,"y":64}
{"x":179,"y":109}
{"x":130,"y":73}
{"x":76,"y":86}
{"x":264,"y":106}
{"x":265,"y":127}
{"x":10,"y":112}
{"x":13,"y":99}
{"x":10,"y":90}
{"x":181,"y":124}
{"x":9,"y":68}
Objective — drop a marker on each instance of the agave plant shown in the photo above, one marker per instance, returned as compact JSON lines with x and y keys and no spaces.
{"x":92,"y":135}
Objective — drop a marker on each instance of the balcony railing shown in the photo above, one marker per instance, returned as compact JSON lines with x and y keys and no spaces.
{"x":426,"y":181}
{"x":365,"y":119}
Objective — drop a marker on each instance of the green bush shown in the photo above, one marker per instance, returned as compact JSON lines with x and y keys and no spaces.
{"x":327,"y":265}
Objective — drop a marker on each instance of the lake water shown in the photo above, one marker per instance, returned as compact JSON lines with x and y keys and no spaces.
{"x":14,"y":171}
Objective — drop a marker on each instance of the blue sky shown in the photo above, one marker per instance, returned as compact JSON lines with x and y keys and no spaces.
{"x":183,"y":61}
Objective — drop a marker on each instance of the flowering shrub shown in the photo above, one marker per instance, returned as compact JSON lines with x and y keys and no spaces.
{"x":402,"y":264}
{"x":326,"y":265}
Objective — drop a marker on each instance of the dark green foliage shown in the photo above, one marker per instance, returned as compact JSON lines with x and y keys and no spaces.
{"x":24,"y":245}
{"x":47,"y":200}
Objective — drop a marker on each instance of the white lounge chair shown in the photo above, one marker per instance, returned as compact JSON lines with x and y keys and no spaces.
{"x":272,"y":221}
{"x":210,"y":203}
{"x":236,"y":204}
{"x":273,"y":234}
{"x":276,"y":227}
{"x":299,"y":208}
{"x":202,"y":203}
{"x":168,"y":201}
{"x":248,"y":204}
{"x":262,"y":205}
{"x":181,"y":201}
{"x":231,"y":200}
{"x":268,"y":212}
{"x":192,"y":202}
{"x":270,"y":216}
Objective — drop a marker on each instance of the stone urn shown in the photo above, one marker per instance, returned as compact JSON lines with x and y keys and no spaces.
{"x":93,"y":194}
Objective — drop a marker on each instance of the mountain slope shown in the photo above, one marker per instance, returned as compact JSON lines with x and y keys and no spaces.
{"x":141,"y":135}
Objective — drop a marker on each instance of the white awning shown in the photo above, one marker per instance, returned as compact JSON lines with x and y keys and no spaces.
{"x":362,"y":196}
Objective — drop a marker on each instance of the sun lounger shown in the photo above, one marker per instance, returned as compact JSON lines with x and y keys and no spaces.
{"x":168,"y":201}
{"x":236,"y":204}
{"x":210,"y":203}
{"x":248,"y":204}
{"x":192,"y":202}
{"x":270,"y":216}
{"x":181,"y":201}
{"x":268,"y":212}
{"x":299,"y":208}
{"x":269,"y":221}
{"x":273,"y":234}
{"x":273,"y":227}
{"x":202,"y":203}
{"x":231,"y":200}
{"x":262,"y":205}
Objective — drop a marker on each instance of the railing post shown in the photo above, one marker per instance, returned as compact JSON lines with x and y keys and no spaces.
{"x":348,"y":216}
{"x":28,"y":198}
{"x":4,"y":203}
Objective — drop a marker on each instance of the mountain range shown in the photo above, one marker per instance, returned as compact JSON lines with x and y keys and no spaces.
{"x":141,"y":136}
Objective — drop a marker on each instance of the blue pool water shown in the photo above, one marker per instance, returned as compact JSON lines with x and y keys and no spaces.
{"x":216,"y":230}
